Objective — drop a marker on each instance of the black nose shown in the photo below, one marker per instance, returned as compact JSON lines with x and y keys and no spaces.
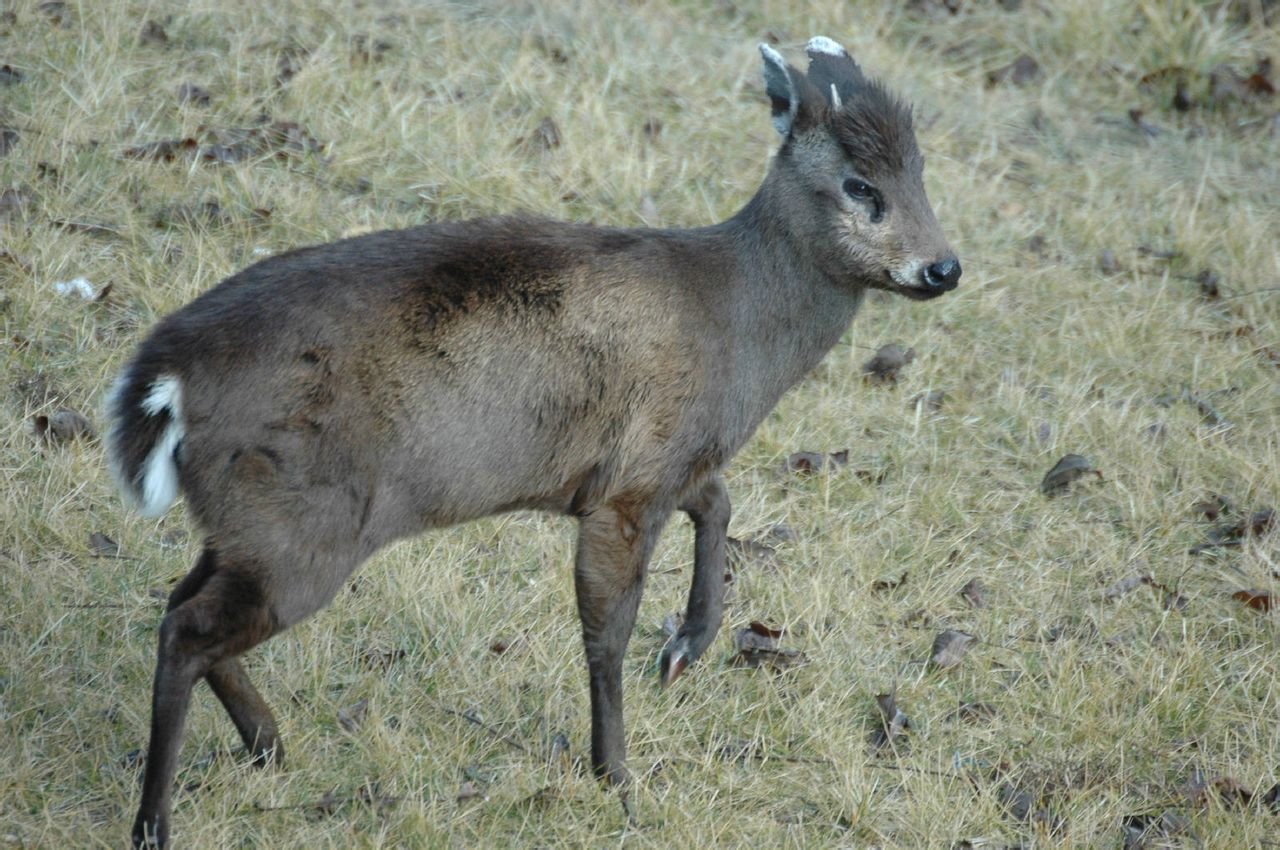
{"x":943,"y":275}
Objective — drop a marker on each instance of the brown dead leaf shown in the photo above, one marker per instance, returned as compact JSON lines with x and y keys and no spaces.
{"x":974,"y":593}
{"x":970,"y":712}
{"x":558,"y":760}
{"x":63,"y":426}
{"x":808,"y":463}
{"x":545,"y":137}
{"x":193,"y":94}
{"x":931,"y":400}
{"x":1258,"y":600}
{"x":351,"y":716}
{"x":1108,"y":264}
{"x":380,"y":658}
{"x":470,"y":790}
{"x":949,"y":648}
{"x":888,"y":361}
{"x":13,"y":203}
{"x":880,"y":585}
{"x":744,"y":553}
{"x":1020,"y":71}
{"x":366,"y":49}
{"x":1211,"y":507}
{"x":8,"y":140}
{"x":1070,"y":468}
{"x":757,"y":646}
{"x":893,"y":723}
{"x":1140,"y":831}
{"x":103,"y":546}
{"x":164,"y":150}
{"x":153,"y":33}
{"x":1257,"y":524}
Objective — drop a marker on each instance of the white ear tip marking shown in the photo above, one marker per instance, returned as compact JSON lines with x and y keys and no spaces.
{"x":772,"y":55}
{"x":835,"y":97}
{"x":822,"y":44}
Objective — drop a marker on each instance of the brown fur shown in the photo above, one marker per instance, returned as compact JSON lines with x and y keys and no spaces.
{"x":336,"y":398}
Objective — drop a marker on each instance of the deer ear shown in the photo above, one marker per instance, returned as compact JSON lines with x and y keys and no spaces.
{"x":832,"y":70}
{"x":780,"y":85}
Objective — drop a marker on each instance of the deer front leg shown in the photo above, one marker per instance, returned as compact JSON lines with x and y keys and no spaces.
{"x":708,"y":507}
{"x":614,"y":544}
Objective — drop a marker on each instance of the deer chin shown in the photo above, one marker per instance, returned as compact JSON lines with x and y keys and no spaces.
{"x":893,"y":283}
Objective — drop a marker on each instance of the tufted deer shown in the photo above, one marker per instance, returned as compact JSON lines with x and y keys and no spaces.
{"x":324,"y":402}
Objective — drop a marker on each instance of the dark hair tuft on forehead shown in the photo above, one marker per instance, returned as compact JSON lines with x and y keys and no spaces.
{"x":876,"y":131}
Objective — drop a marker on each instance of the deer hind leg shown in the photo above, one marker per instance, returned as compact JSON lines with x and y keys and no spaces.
{"x":614,"y":545}
{"x":218,"y":611}
{"x":230,"y":683}
{"x":708,"y":507}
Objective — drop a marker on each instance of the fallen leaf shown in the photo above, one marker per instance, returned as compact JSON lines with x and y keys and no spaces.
{"x":1259,"y":600}
{"x":1064,"y":472}
{"x":558,"y":760}
{"x":744,"y":553}
{"x":1140,"y":830}
{"x":974,"y":593}
{"x":893,"y":723}
{"x":1020,"y":71}
{"x":63,"y":426}
{"x":164,"y":150}
{"x":949,"y":648}
{"x":545,"y":137}
{"x":376,"y":658}
{"x":153,"y":34}
{"x":1271,"y":799}
{"x":931,"y":400}
{"x":353,"y":715}
{"x":880,"y":585}
{"x":1127,"y":585}
{"x":469,"y":790}
{"x":889,"y":359}
{"x":1107,"y":263}
{"x":1256,"y":525}
{"x":757,"y":646}
{"x":1211,"y":507}
{"x":103,"y":546}
{"x":808,"y":463}
{"x":8,"y":140}
{"x":972,"y":711}
{"x":56,"y":11}
{"x":193,"y":94}
{"x":366,"y":49}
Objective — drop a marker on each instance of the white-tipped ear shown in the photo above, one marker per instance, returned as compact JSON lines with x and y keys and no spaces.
{"x":836,"y":103}
{"x":822,"y":44}
{"x":784,"y":100}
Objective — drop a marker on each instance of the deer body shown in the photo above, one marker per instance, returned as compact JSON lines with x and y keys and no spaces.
{"x":325,"y":402}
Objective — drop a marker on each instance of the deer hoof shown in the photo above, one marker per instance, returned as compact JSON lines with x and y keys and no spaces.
{"x":672,"y":663}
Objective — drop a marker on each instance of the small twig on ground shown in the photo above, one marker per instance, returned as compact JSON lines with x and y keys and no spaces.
{"x":471,"y":717}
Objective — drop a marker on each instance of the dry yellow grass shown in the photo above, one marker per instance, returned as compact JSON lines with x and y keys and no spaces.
{"x":1106,"y":706}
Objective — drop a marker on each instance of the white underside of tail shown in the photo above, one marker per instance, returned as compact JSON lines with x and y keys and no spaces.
{"x":157,"y":485}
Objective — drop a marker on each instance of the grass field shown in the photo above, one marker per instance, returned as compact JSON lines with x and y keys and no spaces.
{"x":1086,"y":323}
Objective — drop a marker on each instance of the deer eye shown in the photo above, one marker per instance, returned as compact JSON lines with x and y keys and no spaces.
{"x":864,"y":192}
{"x":859,"y":190}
